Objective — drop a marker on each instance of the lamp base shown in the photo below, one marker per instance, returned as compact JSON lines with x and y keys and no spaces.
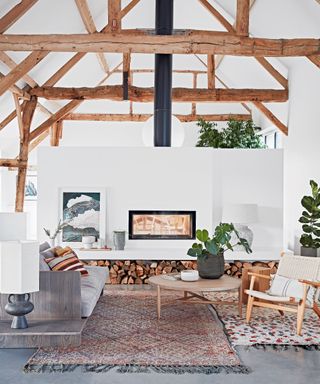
{"x":18,"y":306}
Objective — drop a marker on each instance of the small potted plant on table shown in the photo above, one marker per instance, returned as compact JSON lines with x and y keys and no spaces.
{"x":210,"y":251}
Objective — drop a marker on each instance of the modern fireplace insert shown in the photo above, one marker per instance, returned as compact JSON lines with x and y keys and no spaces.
{"x":165,"y":225}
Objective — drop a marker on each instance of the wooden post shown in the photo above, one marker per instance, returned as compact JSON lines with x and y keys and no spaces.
{"x":242,"y":21}
{"x":27,"y":116}
{"x":194,"y":105}
{"x":114,"y":17}
{"x":211,"y":71}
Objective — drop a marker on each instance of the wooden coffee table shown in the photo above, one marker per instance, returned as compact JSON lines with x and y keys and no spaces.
{"x":193,"y":291}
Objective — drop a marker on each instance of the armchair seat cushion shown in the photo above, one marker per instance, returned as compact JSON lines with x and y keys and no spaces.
{"x":266,"y":296}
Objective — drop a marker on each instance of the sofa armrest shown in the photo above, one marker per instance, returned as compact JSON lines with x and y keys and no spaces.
{"x":59,"y":297}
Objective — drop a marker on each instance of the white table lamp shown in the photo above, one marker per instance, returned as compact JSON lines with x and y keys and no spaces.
{"x":19,"y":276}
{"x":241,"y":215}
{"x":13,"y":226}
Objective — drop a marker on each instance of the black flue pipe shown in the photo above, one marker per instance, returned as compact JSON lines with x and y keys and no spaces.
{"x":163,"y":78}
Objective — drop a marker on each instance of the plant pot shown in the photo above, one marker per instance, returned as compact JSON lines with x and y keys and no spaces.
{"x":211,"y":266}
{"x":308,"y":251}
{"x":119,"y":240}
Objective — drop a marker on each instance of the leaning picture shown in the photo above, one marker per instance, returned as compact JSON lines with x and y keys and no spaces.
{"x":81,"y":212}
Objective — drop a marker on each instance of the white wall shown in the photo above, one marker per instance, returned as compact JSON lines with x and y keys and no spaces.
{"x":198,"y":179}
{"x":301,"y":147}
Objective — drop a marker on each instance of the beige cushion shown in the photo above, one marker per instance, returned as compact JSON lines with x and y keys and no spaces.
{"x":266,"y":296}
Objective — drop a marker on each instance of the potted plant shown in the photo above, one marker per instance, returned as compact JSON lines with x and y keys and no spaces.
{"x":237,"y":134}
{"x":310,"y":219}
{"x":210,"y":251}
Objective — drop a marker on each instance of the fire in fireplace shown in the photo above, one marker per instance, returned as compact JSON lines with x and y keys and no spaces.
{"x":165,"y":225}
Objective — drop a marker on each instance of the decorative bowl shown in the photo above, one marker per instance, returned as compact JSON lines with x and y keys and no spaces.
{"x":189,"y":275}
{"x":87,"y":241}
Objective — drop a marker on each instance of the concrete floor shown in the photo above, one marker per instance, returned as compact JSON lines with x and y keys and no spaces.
{"x":268,"y":367}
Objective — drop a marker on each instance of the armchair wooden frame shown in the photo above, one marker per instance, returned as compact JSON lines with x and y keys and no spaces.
{"x":290,"y":306}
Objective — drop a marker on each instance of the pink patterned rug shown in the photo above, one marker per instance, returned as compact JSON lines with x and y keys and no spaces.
{"x":124,"y":333}
{"x":268,"y":327}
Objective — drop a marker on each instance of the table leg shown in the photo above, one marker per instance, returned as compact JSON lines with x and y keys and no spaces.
{"x":185,"y":294}
{"x":158,"y":302}
{"x":240,"y":301}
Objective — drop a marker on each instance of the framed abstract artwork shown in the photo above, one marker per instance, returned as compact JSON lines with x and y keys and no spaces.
{"x":84,"y":212}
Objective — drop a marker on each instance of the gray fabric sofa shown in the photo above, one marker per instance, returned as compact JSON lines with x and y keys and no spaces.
{"x":91,"y":286}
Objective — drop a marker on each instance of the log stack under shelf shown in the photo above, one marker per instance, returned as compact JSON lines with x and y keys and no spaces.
{"x":139,"y":271}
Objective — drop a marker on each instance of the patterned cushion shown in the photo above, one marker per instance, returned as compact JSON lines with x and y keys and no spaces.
{"x":67,"y":262}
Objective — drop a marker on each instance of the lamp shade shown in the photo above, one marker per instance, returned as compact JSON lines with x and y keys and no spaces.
{"x":13,"y":226}
{"x":240,"y":213}
{"x":19,"y":267}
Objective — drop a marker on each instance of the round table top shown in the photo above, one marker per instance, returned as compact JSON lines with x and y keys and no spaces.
{"x":224,"y":283}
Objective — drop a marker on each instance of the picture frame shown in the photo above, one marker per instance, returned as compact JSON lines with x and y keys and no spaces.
{"x":85,"y":211}
{"x":31,"y":188}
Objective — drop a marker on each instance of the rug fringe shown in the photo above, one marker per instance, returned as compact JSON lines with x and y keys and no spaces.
{"x":167,"y":369}
{"x":281,"y":347}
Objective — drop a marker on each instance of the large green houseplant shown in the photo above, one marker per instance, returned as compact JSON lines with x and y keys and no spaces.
{"x":210,"y":250}
{"x":237,"y":134}
{"x":310,"y":219}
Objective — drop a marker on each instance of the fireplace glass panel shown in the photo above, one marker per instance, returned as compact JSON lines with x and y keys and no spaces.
{"x":172,"y":225}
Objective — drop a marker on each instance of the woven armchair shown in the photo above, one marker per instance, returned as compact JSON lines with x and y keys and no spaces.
{"x":306,"y":270}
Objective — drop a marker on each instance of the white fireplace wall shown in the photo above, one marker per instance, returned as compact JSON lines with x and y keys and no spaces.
{"x":197,"y":179}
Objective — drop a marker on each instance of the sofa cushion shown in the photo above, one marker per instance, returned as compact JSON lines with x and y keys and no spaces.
{"x":67,"y":262}
{"x":91,"y":288}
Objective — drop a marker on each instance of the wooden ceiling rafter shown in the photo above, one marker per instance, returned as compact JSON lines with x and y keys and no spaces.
{"x":315,"y":59}
{"x":15,"y":14}
{"x":90,"y":26}
{"x":144,"y":117}
{"x":248,"y":4}
{"x":142,"y":95}
{"x":114,"y":15}
{"x":21,"y":69}
{"x":182,"y":42}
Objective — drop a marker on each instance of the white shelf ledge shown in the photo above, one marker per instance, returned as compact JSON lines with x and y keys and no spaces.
{"x":258,"y":254}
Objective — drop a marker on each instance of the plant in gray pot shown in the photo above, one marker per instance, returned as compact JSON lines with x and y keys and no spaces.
{"x":210,"y":251}
{"x":310,"y":219}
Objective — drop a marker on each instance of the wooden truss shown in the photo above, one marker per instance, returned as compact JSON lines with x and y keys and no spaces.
{"x":236,"y":40}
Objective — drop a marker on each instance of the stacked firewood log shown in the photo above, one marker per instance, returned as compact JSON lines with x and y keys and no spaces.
{"x":138,"y":271}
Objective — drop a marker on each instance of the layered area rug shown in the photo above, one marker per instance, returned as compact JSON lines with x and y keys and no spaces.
{"x":124,"y":333}
{"x":267,"y":327}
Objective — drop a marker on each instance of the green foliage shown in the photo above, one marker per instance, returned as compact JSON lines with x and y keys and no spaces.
{"x":219,"y":242}
{"x":310,"y":218}
{"x":237,"y":134}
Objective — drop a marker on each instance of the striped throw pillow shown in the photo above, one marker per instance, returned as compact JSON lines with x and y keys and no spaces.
{"x":67,"y":262}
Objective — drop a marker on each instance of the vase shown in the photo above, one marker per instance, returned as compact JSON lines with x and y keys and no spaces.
{"x":211,"y":266}
{"x":52,"y":242}
{"x":119,"y":240}
{"x":308,"y":251}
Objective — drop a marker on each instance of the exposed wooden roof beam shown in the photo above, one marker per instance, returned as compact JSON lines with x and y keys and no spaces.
{"x":11,"y":64}
{"x":222,"y":20}
{"x":114,"y":15}
{"x":232,"y":28}
{"x":115,"y":92}
{"x":27,"y":116}
{"x":211,"y":71}
{"x":15,"y":163}
{"x":315,"y":59}
{"x":21,"y":69}
{"x":145,"y":117}
{"x":263,"y":109}
{"x":128,"y":8}
{"x":54,"y":118}
{"x":16,"y":90}
{"x":242,"y":17}
{"x":15,"y":14}
{"x":91,"y":28}
{"x":188,"y":42}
